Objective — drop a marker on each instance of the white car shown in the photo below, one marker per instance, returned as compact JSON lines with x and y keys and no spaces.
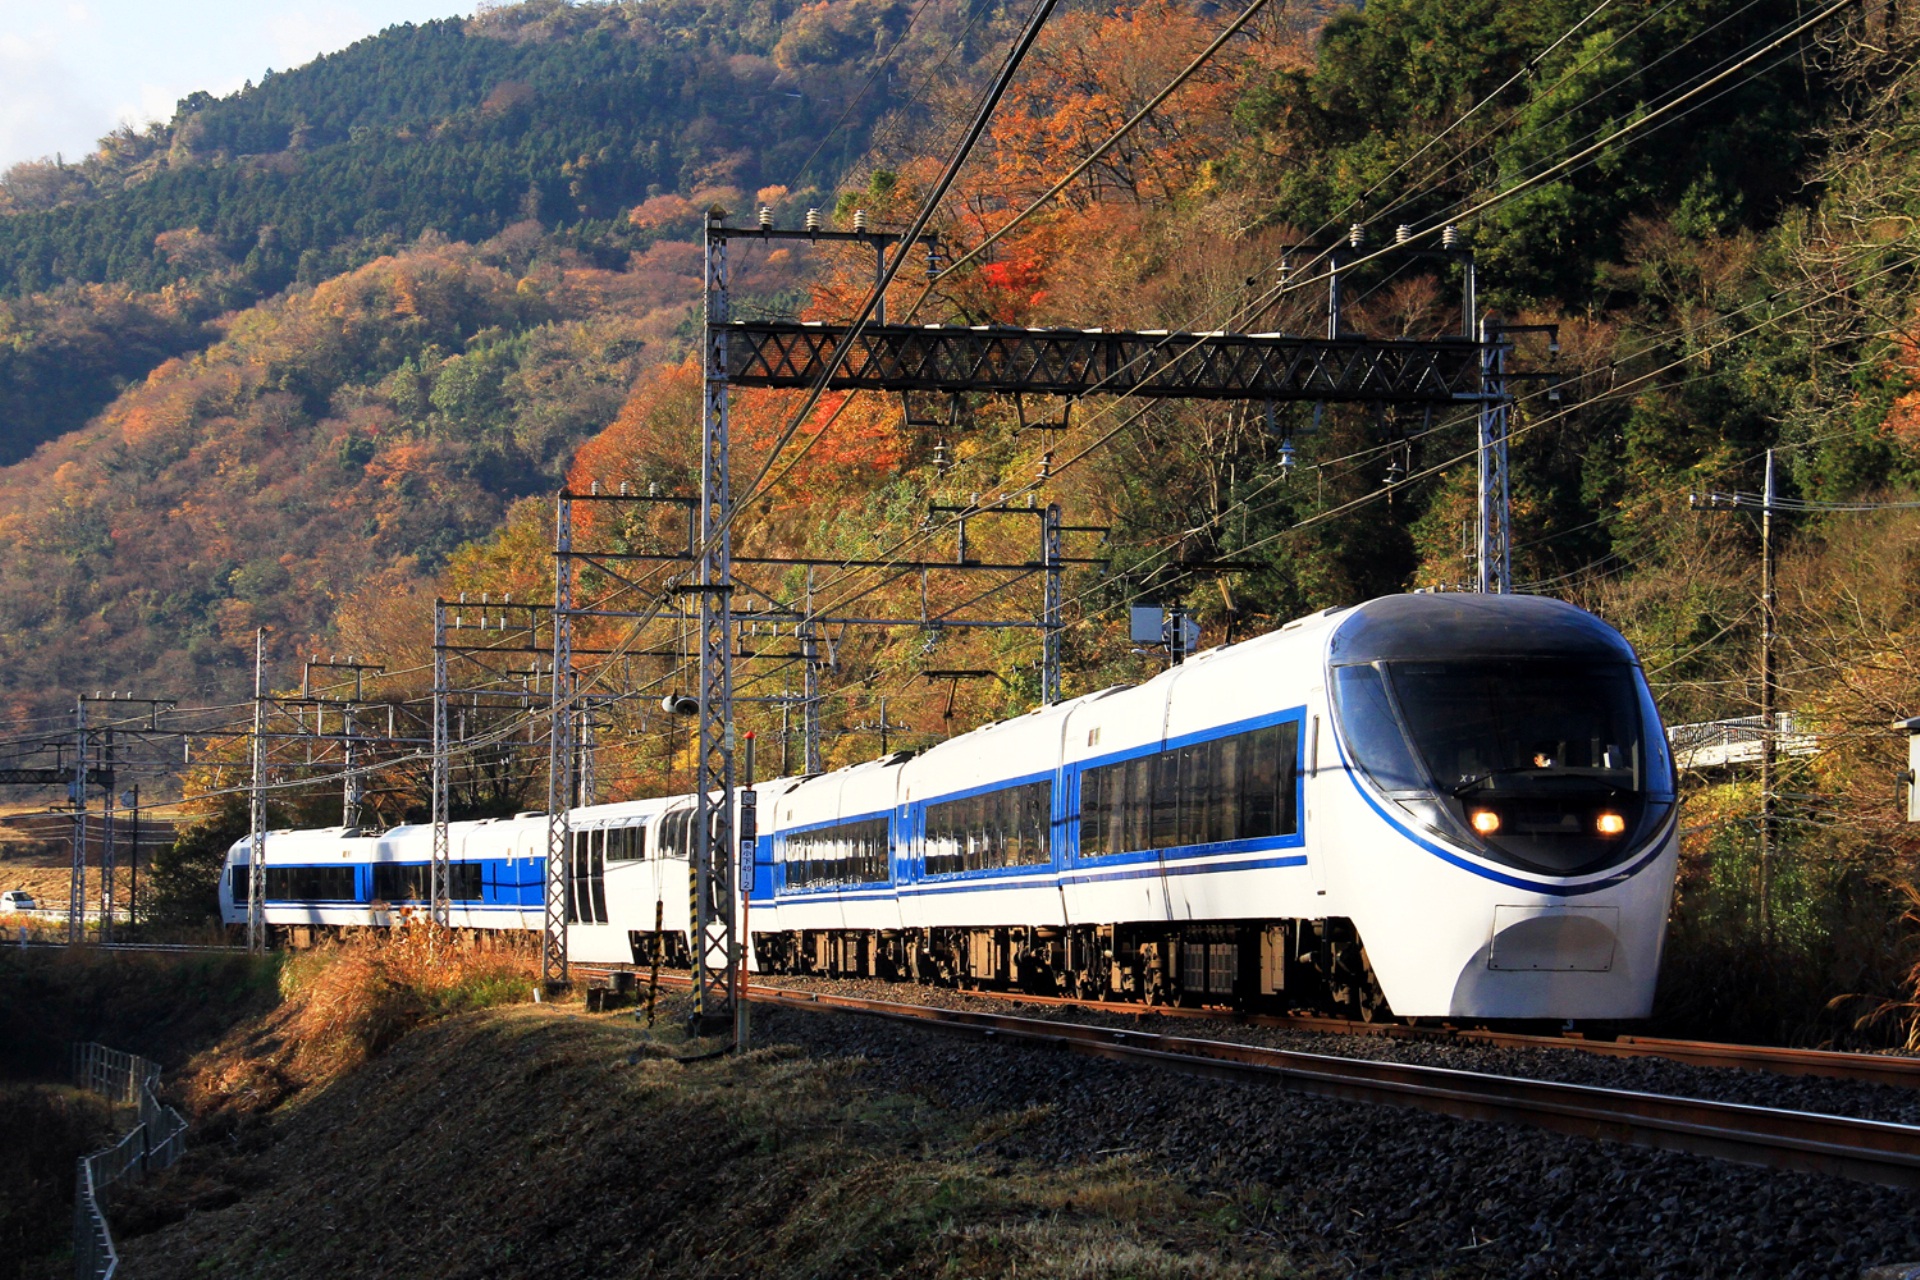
{"x":16,"y":900}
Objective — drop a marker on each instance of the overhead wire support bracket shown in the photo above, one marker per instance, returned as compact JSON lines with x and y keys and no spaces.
{"x":1005,"y":359}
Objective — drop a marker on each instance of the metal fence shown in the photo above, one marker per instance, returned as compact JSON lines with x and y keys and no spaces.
{"x":154,"y":1143}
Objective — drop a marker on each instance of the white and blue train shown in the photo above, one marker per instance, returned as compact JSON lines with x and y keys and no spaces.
{"x":1441,"y":806}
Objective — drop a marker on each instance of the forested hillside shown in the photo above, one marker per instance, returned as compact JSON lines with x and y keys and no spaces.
{"x":304,"y":356}
{"x":545,"y":114}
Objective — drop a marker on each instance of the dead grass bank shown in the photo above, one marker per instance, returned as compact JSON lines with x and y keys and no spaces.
{"x":341,"y":1005}
{"x":538,"y":1141}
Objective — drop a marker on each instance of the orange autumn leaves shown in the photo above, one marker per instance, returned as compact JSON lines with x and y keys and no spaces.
{"x":655,"y":439}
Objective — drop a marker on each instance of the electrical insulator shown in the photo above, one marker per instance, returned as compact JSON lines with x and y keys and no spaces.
{"x":1402,"y":234}
{"x":1286,"y":458}
{"x":1450,"y":237}
{"x":1357,"y":234}
{"x":860,"y":221}
{"x":813,"y":219}
{"x":766,"y":217}
{"x":625,"y":489}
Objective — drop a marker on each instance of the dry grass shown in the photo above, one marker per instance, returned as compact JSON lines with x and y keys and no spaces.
{"x":537,"y":1141}
{"x":1899,"y":1014}
{"x":345,"y":1003}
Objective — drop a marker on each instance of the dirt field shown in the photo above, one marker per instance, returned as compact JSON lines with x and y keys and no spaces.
{"x":36,"y":854}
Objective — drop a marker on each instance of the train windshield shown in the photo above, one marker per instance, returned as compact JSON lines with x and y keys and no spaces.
{"x":1557,"y":766}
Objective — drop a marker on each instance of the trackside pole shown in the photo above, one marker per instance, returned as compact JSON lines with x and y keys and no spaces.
{"x":257,"y":845}
{"x":715,"y":903}
{"x":743,"y":943}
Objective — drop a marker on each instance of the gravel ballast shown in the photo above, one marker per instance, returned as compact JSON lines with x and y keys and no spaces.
{"x":1859,"y":1099}
{"x":1400,"y":1192}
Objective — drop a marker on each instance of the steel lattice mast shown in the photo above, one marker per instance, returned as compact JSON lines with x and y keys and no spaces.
{"x":257,"y":844}
{"x":77,"y":881}
{"x":1494,"y":546}
{"x":560,"y":755}
{"x":442,"y":767}
{"x":714,"y":899}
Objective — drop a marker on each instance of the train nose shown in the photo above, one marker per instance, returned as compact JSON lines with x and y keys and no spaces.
{"x":1554,"y":939}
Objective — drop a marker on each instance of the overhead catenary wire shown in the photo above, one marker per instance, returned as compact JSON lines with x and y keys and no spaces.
{"x":1588,"y":154}
{"x":995,"y":92}
{"x":1092,"y":158}
{"x":1836,"y":6}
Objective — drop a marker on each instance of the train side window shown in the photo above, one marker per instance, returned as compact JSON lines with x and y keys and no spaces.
{"x":597,"y":878}
{"x":308,"y":884}
{"x":1223,"y":789}
{"x":464,"y":882}
{"x":846,"y":853}
{"x":1093,"y":813}
{"x":626,"y":844}
{"x":1241,"y":787}
{"x":576,"y":876}
{"x":1009,"y":827}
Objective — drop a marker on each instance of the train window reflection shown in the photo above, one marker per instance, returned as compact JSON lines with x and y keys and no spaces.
{"x":845,"y":853}
{"x":1241,"y":787}
{"x":1005,"y":828}
{"x":1372,"y":732}
{"x":1534,"y":726}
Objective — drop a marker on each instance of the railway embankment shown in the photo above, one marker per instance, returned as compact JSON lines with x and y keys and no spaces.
{"x":539,"y":1140}
{"x":441,"y":1134}
{"x":169,"y":1007}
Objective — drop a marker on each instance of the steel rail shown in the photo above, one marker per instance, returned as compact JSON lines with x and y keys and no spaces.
{"x":1872,"y":1068}
{"x":1861,"y":1150}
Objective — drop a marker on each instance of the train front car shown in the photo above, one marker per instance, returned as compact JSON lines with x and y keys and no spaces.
{"x":1500,"y":824}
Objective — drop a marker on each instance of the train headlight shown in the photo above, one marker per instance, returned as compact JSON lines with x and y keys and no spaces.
{"x":1485,"y":821}
{"x":1610,"y":824}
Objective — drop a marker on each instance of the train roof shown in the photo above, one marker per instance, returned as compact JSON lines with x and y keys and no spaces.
{"x":1445,"y":625}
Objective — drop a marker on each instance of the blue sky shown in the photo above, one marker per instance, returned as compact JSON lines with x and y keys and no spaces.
{"x":70,"y":70}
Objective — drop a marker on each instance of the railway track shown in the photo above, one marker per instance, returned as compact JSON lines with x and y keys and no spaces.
{"x":1870,"y":1068}
{"x":1862,"y":1150}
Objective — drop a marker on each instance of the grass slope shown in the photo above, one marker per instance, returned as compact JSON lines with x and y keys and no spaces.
{"x":534,"y":1140}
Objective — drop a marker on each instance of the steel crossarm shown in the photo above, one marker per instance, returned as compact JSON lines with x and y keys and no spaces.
{"x":1079,"y":362}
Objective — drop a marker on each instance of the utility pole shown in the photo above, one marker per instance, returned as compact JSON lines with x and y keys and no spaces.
{"x":1769,"y":711}
{"x":257,"y":843}
{"x":77,"y":882}
{"x":811,"y":761}
{"x":883,"y":727}
{"x":1051,"y":609}
{"x":1176,"y":632}
{"x":1767,"y":728}
{"x":1494,"y":522}
{"x":132,"y":800}
{"x":749,"y":839}
{"x":442,"y":870}
{"x":106,"y":837}
{"x":353,"y":788}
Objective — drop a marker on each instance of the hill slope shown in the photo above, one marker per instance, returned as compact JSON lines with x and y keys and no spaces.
{"x":556,"y":113}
